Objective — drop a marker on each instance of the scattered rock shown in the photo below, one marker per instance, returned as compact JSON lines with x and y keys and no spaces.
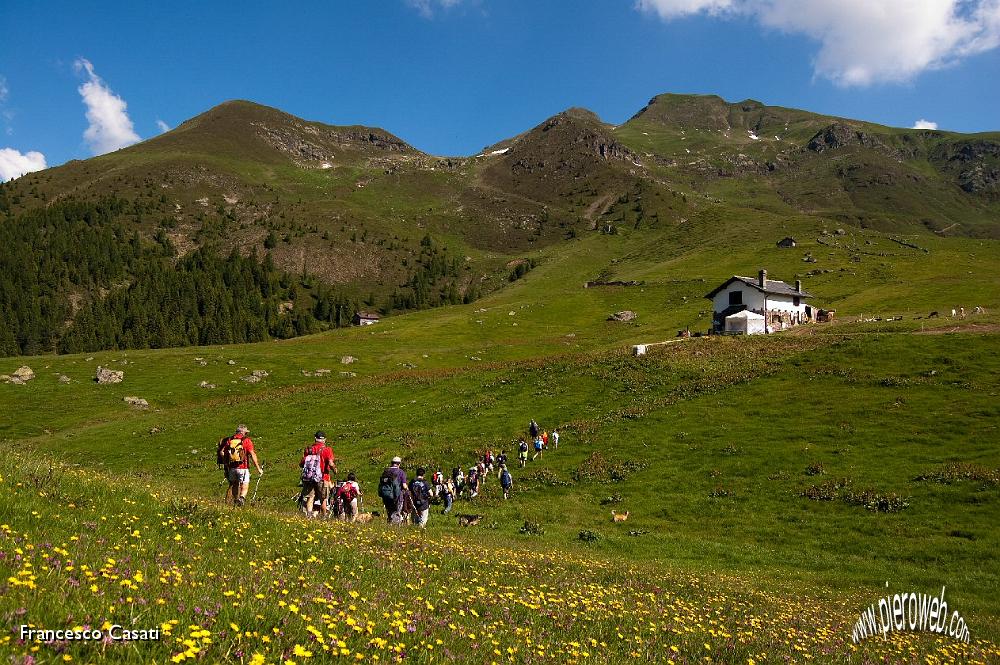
{"x":155,"y":430}
{"x":89,"y":359}
{"x":320,"y":372}
{"x":347,"y":360}
{"x":137,"y":402}
{"x":349,"y":374}
{"x":511,"y":313}
{"x":840,"y":232}
{"x":206,"y":384}
{"x":230,"y":362}
{"x":105,"y":375}
{"x":627,"y":315}
{"x":7,"y":378}
{"x":24,"y":373}
{"x":64,"y":379}
{"x":251,"y":379}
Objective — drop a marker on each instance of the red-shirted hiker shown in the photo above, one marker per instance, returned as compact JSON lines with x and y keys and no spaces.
{"x":235,"y":454}
{"x":317,"y":463}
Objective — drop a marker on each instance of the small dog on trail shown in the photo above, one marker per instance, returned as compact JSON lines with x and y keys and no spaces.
{"x":364,"y":518}
{"x":469,"y":520}
{"x":619,"y":517}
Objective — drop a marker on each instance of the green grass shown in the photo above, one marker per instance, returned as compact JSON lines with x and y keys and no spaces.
{"x":745,"y":415}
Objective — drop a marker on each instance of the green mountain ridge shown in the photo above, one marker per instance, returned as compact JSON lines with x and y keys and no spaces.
{"x":392,"y":228}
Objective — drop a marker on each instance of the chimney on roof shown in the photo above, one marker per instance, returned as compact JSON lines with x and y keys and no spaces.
{"x":798,"y":286}
{"x":762,"y":278}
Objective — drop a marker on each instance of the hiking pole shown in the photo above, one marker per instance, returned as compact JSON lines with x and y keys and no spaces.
{"x":259,"y":476}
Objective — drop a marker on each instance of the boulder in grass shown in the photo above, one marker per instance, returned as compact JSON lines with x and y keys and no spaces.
{"x":137,"y":402}
{"x":105,"y":375}
{"x":347,"y":360}
{"x":626,"y":315}
{"x":64,"y":379}
{"x":24,"y":373}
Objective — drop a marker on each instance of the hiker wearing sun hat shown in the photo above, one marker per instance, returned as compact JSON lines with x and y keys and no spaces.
{"x":317,"y":463}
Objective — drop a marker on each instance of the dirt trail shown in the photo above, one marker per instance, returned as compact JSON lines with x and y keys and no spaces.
{"x":962,"y":328}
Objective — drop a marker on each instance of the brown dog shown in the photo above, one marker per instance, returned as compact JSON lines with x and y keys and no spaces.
{"x":363,"y":518}
{"x":619,"y":517}
{"x":469,"y":520}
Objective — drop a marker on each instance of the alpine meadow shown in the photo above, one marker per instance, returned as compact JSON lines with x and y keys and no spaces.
{"x":710,"y":497}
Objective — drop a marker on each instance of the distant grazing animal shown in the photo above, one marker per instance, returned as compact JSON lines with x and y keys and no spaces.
{"x":932,"y":315}
{"x":961,"y":312}
{"x":469,"y":520}
{"x":619,"y":517}
{"x":953,"y":313}
{"x":979,"y":310}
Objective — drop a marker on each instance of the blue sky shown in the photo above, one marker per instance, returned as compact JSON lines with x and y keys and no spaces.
{"x":451,"y":76}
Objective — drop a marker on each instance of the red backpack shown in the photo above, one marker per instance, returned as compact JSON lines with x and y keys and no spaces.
{"x":347,"y":492}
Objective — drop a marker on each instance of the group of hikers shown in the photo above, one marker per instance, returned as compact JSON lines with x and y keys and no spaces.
{"x":404,"y":500}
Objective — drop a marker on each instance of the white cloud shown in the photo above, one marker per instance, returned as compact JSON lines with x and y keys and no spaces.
{"x":862,"y":42}
{"x":14,"y":164}
{"x":426,"y":7}
{"x":669,"y":9}
{"x":164,"y":127}
{"x":924,"y":124}
{"x":110,"y":127}
{"x":4,"y":90}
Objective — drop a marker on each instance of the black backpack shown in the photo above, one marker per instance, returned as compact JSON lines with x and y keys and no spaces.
{"x":388,"y":487}
{"x":420,"y":495}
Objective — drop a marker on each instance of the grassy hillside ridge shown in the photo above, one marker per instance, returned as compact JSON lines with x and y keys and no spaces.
{"x":351,"y":203}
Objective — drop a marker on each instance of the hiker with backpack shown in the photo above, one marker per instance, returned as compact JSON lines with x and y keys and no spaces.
{"x":506,"y":481}
{"x":458,"y":478}
{"x":522,"y":453}
{"x":347,"y":497}
{"x":317,"y":463}
{"x":420,"y":495}
{"x":555,"y":438}
{"x":390,"y":489}
{"x":472,"y":482}
{"x":448,"y":494}
{"x":234,"y":454}
{"x":545,"y":439}
{"x":501,"y":462}
{"x":437,"y":483}
{"x":538,"y":448}
{"x":533,"y":429}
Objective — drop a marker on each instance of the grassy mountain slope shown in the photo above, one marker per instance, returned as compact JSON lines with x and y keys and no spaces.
{"x":350,"y":204}
{"x":708,"y":443}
